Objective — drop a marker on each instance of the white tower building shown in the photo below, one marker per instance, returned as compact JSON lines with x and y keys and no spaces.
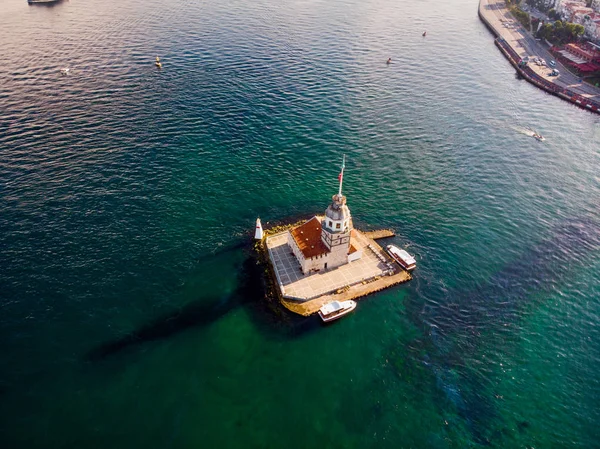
{"x":336,"y":227}
{"x":325,"y":244}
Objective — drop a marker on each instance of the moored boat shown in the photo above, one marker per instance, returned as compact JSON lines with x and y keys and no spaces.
{"x":405,"y":260}
{"x":336,"y":309}
{"x":43,"y":2}
{"x":258,"y":232}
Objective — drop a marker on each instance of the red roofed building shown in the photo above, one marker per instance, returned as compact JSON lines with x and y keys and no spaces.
{"x":587,"y":52}
{"x":306,"y":239}
{"x":584,"y":58}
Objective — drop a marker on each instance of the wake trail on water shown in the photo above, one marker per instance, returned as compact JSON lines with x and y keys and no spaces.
{"x":525,"y":131}
{"x":518,"y":129}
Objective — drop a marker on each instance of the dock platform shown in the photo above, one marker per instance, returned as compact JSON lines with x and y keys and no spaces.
{"x":355,"y":292}
{"x":380,"y":234}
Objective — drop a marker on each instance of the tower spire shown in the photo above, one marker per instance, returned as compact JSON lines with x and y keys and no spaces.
{"x":341,"y":176}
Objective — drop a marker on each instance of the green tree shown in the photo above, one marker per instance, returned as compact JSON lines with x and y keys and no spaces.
{"x":577,"y":30}
{"x":560,"y":32}
{"x":546,"y":32}
{"x":520,"y":15}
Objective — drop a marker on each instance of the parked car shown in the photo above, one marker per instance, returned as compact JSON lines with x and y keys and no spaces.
{"x":552,"y":63}
{"x":553,"y":73}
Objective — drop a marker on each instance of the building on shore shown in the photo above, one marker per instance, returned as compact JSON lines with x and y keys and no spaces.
{"x":323,"y":243}
{"x":584,"y":58}
{"x":591,"y":23}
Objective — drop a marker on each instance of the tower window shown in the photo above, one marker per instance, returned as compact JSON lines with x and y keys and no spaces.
{"x":337,"y":226}
{"x":330,"y":224}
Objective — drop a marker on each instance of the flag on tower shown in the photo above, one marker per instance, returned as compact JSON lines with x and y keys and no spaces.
{"x":341,"y":175}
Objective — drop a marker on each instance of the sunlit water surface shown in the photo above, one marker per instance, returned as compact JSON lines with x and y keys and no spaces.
{"x":130,"y":310}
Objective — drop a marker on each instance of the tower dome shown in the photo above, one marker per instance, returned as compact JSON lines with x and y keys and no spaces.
{"x":337,"y":216}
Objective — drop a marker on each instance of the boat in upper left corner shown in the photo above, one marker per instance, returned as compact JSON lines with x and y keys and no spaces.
{"x":43,"y":2}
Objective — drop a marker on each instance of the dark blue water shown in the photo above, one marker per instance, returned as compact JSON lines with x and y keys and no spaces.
{"x":131,"y":313}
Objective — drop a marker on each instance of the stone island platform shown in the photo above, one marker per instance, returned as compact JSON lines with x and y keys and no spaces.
{"x":326,"y":259}
{"x":304,"y":294}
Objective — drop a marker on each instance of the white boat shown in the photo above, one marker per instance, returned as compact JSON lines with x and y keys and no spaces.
{"x":64,"y":71}
{"x":405,"y":260}
{"x":538,"y":136}
{"x":336,"y":309}
{"x":258,"y":232}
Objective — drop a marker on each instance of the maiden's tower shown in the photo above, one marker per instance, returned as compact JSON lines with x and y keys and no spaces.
{"x":326,"y":259}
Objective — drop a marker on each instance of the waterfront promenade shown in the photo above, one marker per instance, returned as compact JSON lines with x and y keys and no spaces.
{"x":495,"y":14}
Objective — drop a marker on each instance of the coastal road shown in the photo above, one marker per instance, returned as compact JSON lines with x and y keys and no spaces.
{"x":524,"y":44}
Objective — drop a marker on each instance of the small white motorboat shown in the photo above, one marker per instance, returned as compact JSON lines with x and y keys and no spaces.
{"x":64,"y":71}
{"x":336,"y":309}
{"x":405,"y":260}
{"x":538,"y":136}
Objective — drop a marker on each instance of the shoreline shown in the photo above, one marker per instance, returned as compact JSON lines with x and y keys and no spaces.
{"x":560,"y":90}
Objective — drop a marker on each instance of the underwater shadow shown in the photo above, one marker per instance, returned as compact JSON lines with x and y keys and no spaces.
{"x":453,"y":327}
{"x":265,"y":311}
{"x":193,"y":315}
{"x":269,"y":316}
{"x":504,"y":297}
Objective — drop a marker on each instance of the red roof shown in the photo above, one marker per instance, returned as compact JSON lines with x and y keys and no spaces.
{"x":589,"y":52}
{"x":587,"y":67}
{"x":308,"y":238}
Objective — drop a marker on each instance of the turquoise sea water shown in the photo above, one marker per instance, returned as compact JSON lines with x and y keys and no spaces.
{"x":130,"y":309}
